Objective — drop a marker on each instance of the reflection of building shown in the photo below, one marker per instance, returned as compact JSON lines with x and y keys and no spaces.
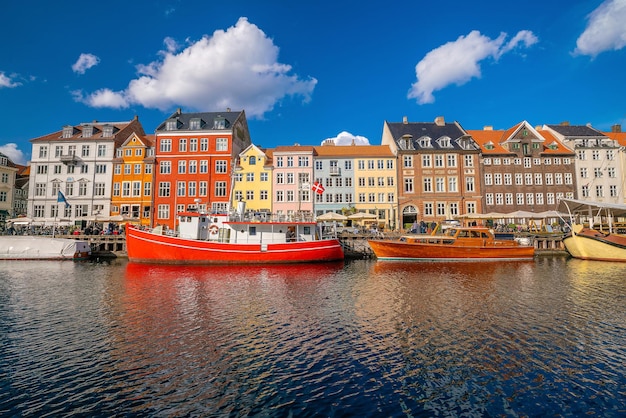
{"x":20,"y":195}
{"x":438,"y":169}
{"x":524,"y":168}
{"x":253,"y":179}
{"x":133,"y":174}
{"x":195,"y":154}
{"x":77,"y":161}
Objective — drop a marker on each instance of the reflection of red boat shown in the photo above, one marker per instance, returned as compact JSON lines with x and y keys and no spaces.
{"x":457,"y":243}
{"x":214,"y":239}
{"x":139,"y":271}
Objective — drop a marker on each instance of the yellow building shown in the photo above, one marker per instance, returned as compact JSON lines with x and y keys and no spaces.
{"x":253,"y":179}
{"x":133,"y":175}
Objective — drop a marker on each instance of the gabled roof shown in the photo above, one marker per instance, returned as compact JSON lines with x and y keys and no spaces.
{"x":206,"y":120}
{"x":294,"y":149}
{"x":353,"y":151}
{"x":435,"y":131}
{"x":120,"y":132}
{"x":491,"y":141}
{"x":620,"y":137}
{"x":577,"y":131}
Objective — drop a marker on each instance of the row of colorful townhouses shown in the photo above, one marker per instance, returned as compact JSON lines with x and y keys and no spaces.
{"x":207,"y":162}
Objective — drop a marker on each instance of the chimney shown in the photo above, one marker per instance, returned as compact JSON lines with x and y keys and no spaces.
{"x":616,"y":128}
{"x":440,"y":121}
{"x":538,"y":127}
{"x":565,"y":123}
{"x":488,"y":128}
{"x":405,"y":120}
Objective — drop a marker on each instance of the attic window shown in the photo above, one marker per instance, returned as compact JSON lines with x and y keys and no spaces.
{"x":195,"y":124}
{"x":171,"y":125}
{"x":444,"y":142}
{"x":553,"y":146}
{"x":425,"y":142}
{"x":489,"y":146}
{"x":87,"y":131}
{"x":68,"y":131}
{"x":107,"y":131}
{"x":219,"y":123}
{"x":252,"y":160}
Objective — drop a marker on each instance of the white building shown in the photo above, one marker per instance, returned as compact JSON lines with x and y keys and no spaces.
{"x":77,"y":161}
{"x":598,"y":170}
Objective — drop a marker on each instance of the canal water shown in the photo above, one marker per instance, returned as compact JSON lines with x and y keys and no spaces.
{"x":364,"y":338}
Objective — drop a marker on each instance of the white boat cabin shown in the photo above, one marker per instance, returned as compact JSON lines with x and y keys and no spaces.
{"x":221,"y":228}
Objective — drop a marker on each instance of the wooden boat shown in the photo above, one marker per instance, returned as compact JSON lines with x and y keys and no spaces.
{"x":30,"y":247}
{"x":222,"y":239}
{"x":594,"y":233}
{"x":454,"y":244}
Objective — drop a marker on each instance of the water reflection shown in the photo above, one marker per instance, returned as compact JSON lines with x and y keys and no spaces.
{"x":544,"y":337}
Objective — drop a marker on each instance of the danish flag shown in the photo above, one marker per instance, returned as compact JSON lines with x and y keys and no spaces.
{"x":317,"y":187}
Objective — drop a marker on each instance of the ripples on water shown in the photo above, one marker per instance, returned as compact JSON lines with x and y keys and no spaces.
{"x":362,"y":339}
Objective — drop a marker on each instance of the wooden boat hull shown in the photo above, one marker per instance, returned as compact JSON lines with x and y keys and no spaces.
{"x":146,"y":247}
{"x":398,"y":250}
{"x":588,"y":244}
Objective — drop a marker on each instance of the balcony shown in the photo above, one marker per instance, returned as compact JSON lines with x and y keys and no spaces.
{"x":335,"y":171}
{"x":69,"y":159}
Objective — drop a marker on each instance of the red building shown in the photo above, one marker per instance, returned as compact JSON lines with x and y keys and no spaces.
{"x":195,"y":156}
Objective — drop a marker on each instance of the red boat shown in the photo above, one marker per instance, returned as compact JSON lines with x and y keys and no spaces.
{"x":455,"y":244}
{"x":216,"y":239}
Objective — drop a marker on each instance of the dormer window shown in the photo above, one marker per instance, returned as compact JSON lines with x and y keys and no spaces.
{"x":87,"y":131}
{"x":425,"y":142}
{"x":553,"y":146}
{"x":107,"y":131}
{"x":444,"y":142}
{"x":219,"y":123}
{"x":68,"y":131}
{"x":171,"y":125}
{"x":489,"y":145}
{"x":195,"y":124}
{"x":252,"y":160}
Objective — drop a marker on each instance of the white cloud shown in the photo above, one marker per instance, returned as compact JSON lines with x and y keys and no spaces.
{"x":606,"y":29}
{"x":236,"y":69}
{"x":14,"y":153}
{"x":458,"y":62}
{"x":6,"y":81}
{"x":102,"y":98}
{"x":346,"y":138}
{"x":85,"y":62}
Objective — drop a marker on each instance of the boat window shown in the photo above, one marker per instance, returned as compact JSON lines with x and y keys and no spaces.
{"x":484,"y":235}
{"x":463,"y":234}
{"x":475,"y":234}
{"x":253,"y":230}
{"x":307,"y":230}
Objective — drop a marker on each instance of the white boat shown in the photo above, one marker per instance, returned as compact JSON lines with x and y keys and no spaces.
{"x":595,"y":234}
{"x":28,"y":247}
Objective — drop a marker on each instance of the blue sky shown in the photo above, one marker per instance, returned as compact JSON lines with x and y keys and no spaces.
{"x":308,"y":71}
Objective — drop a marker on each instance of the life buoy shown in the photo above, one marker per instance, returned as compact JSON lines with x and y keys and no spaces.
{"x":213,"y":229}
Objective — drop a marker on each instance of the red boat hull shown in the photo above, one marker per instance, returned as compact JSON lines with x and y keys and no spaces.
{"x":146,"y":247}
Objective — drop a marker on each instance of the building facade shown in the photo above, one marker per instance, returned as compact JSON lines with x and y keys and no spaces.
{"x":523,"y":168}
{"x":78,"y":162}
{"x":438,"y":170}
{"x":293,"y":175}
{"x":133,"y":178}
{"x":253,"y":179}
{"x":8,"y":176}
{"x":598,"y":168}
{"x":195,"y":158}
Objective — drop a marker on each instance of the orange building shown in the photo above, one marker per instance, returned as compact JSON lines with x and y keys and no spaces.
{"x":133,"y":175}
{"x":195,"y":157}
